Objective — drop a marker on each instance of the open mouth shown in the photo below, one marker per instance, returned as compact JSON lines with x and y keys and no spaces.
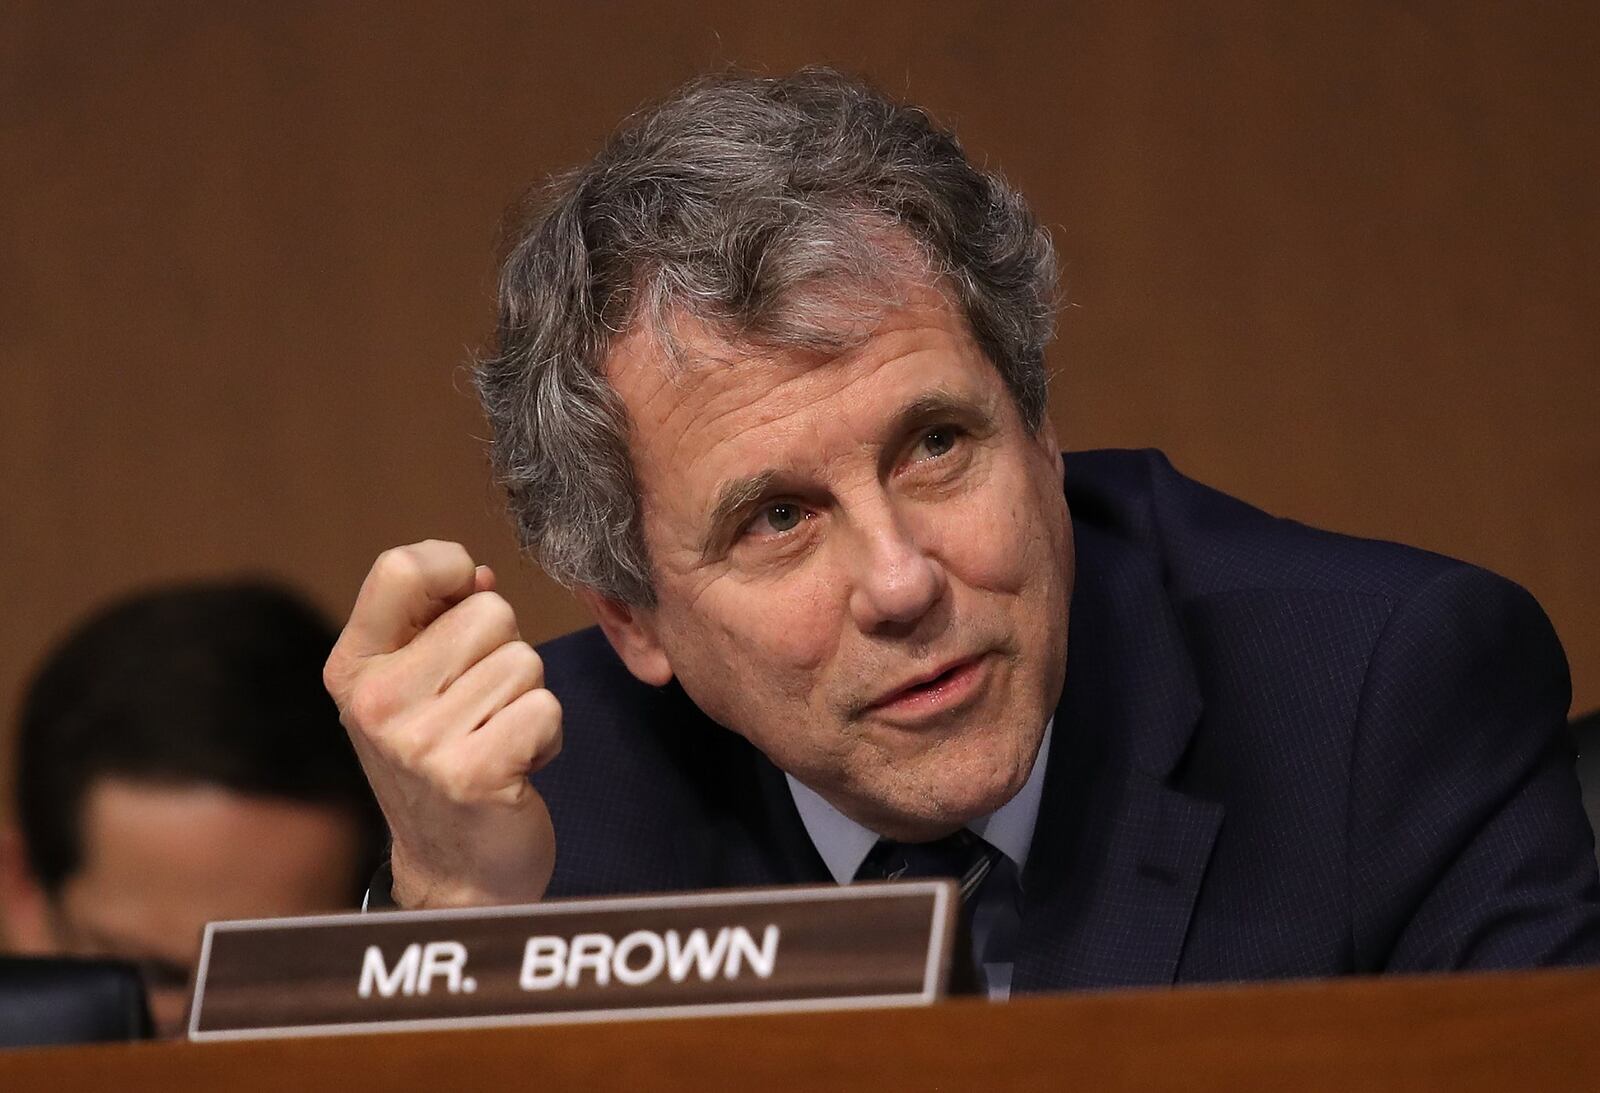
{"x":949,"y":688}
{"x":937,"y":681}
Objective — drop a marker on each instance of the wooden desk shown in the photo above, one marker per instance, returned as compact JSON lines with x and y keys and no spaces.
{"x":1538,"y":1031}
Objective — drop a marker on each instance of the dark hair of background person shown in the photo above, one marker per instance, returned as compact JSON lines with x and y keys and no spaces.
{"x":217,"y":684}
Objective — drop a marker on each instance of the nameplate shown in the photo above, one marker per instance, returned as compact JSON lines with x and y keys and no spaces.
{"x":740,"y":951}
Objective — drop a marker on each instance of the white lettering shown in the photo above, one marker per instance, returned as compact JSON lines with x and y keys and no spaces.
{"x":590,"y":951}
{"x":762,"y":960}
{"x":403,"y":976}
{"x":704,"y":955}
{"x":442,"y":958}
{"x":544,"y":963}
{"x":639,"y":958}
{"x":639,"y":939}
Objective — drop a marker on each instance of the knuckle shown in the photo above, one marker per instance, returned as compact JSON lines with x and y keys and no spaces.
{"x":455,"y":788}
{"x":544,"y":705}
{"x":409,"y":747}
{"x":552,"y":746}
{"x":541,"y":726}
{"x":513,"y":793}
{"x":544,"y":721}
{"x":523,"y":663}
{"x":370,"y":704}
{"x":457,"y":783}
{"x":493,"y":613}
{"x":336,"y":675}
{"x":397,"y":566}
{"x":444,"y":548}
{"x":435,"y":773}
{"x":448,"y":555}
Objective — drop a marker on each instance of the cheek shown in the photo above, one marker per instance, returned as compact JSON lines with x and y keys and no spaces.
{"x":763,"y":643}
{"x":999,"y":543}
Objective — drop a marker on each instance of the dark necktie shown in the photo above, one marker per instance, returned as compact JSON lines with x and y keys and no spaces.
{"x":964,"y":858}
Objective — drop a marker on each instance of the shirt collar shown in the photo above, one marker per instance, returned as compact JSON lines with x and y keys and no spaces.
{"x":844,"y":844}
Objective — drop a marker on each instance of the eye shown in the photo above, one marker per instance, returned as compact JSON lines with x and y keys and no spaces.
{"x":777,"y":518}
{"x":935,"y":442}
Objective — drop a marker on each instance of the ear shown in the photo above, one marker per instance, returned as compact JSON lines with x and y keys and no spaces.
{"x":24,"y":903}
{"x":633,"y":633}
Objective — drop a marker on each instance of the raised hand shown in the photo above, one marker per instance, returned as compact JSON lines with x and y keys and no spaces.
{"x":447,"y":708}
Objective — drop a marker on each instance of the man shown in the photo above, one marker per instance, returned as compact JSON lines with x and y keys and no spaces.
{"x":769,"y":393}
{"x":178,"y":762}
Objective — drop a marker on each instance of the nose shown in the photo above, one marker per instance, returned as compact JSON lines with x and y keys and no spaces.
{"x":897,"y":581}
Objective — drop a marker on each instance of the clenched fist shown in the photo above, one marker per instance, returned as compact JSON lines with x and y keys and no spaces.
{"x":447,"y":708}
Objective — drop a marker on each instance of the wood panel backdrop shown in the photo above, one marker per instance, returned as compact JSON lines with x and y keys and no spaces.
{"x":1338,"y":259}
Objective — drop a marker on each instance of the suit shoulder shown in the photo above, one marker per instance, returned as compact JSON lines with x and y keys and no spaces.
{"x":1209,"y":543}
{"x":616,"y":727}
{"x":584,"y":660}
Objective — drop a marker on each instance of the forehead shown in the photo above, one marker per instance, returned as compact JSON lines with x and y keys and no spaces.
{"x":711,"y":401}
{"x":159,"y":858}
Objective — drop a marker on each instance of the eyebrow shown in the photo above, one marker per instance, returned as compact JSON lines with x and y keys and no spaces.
{"x":737,"y":494}
{"x":936,"y":404}
{"x":733,"y":497}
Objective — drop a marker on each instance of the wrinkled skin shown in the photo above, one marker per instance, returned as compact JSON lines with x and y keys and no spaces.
{"x":900,"y":518}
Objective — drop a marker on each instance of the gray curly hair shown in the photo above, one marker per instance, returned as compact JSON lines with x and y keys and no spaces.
{"x":774,"y":212}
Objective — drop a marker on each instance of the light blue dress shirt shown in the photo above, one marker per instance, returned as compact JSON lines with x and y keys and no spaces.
{"x":844,"y":844}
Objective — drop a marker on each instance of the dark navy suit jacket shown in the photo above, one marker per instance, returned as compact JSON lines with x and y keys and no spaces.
{"x":1278,"y":752}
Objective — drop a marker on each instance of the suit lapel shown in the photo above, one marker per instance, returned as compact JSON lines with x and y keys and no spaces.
{"x":1118,"y":854}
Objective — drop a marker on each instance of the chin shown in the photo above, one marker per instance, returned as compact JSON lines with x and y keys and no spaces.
{"x":931,"y":811}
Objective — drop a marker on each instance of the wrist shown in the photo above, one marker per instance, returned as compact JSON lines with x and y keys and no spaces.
{"x":411,"y":889}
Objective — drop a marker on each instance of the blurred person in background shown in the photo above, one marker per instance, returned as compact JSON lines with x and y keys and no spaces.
{"x":1586,"y":737}
{"x":178,"y":762}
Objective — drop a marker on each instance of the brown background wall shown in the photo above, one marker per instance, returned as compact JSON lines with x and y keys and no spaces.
{"x":1337,"y":258}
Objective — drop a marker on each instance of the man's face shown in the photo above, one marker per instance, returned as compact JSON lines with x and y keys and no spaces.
{"x":863,"y":564}
{"x":159,"y":862}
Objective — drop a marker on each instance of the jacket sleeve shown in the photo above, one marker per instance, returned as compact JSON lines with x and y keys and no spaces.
{"x":1469,"y":847}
